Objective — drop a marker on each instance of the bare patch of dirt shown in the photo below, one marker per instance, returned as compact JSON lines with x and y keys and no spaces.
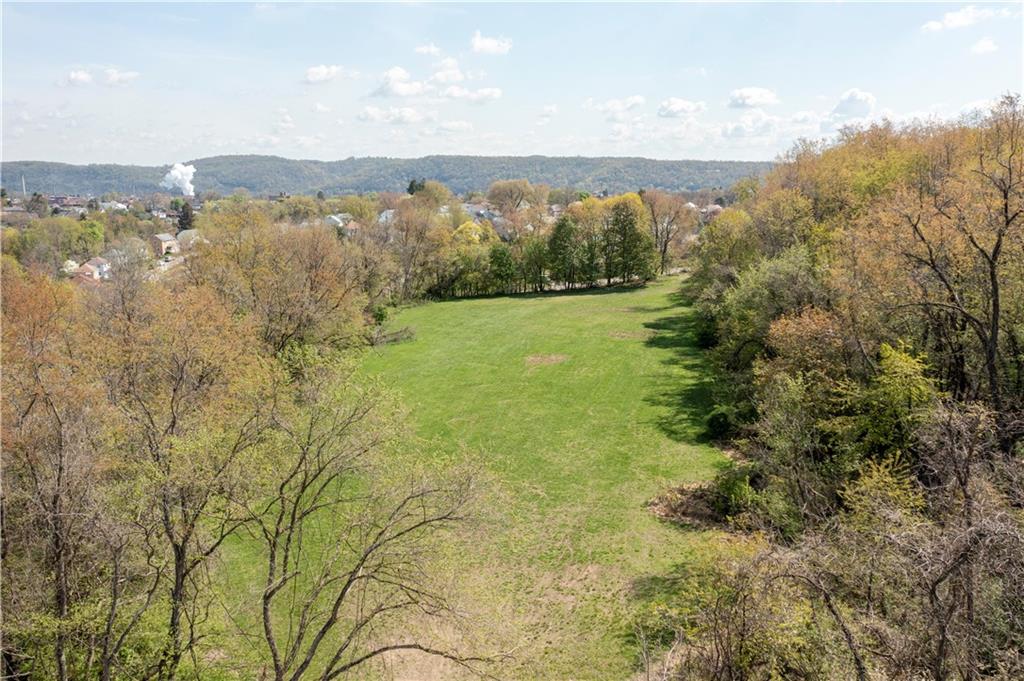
{"x":688,"y":504}
{"x":632,"y":335}
{"x":542,"y":360}
{"x":571,"y":585}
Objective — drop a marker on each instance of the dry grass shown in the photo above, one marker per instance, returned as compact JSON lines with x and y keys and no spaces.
{"x":542,"y":360}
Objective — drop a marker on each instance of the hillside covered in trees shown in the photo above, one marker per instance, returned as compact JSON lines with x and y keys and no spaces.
{"x":273,"y":174}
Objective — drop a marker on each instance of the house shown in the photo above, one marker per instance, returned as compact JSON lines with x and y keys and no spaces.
{"x":164,"y":243}
{"x":112,"y":206}
{"x":85,"y":276}
{"x":338,"y":220}
{"x":101,"y":265}
{"x":710,"y":212}
{"x":95,"y":269}
{"x":87,"y":271}
{"x":60,"y":201}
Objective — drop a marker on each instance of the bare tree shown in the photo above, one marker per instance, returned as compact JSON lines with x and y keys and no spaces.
{"x":669,"y":218}
{"x":344,"y":553}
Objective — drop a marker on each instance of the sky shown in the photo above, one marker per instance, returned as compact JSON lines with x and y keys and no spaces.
{"x":155,"y":84}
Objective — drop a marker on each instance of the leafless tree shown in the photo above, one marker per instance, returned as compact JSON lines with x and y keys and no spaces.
{"x":669,"y":218}
{"x":345,"y":553}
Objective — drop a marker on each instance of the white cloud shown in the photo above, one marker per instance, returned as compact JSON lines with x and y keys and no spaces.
{"x":547,"y":113}
{"x":674,"y":107}
{"x":448,"y":71}
{"x":621,"y":132}
{"x":752,"y":97}
{"x":396,"y":115}
{"x":308,"y":141}
{"x":324,"y":73}
{"x":396,"y":82}
{"x":456,"y":126}
{"x":79,"y":77}
{"x":854,"y":103}
{"x":482,"y":95}
{"x":429,"y":49}
{"x":266,"y":141}
{"x":756,"y":124}
{"x":321,"y":108}
{"x":485,"y":45}
{"x":984,"y":46}
{"x":617,"y":110}
{"x":968,"y":16}
{"x":806,"y":118}
{"x":286,"y":122}
{"x":117,"y":77}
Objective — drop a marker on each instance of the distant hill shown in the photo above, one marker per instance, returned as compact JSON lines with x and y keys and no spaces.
{"x":272,"y":174}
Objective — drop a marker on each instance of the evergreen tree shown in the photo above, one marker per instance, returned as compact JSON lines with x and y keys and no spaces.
{"x":186,"y":217}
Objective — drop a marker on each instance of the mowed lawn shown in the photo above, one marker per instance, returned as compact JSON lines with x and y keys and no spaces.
{"x":580,"y":407}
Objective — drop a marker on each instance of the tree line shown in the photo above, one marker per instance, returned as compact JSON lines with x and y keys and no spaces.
{"x":863,"y":307}
{"x":157,"y":430}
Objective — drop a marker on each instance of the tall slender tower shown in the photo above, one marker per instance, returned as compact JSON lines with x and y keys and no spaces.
{"x":24,"y":193}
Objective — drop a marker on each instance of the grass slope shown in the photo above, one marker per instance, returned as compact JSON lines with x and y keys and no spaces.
{"x":582,"y":406}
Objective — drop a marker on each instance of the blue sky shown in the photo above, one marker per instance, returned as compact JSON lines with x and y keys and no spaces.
{"x":158,"y":83}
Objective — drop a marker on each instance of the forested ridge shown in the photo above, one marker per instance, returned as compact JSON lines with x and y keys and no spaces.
{"x":272,"y":174}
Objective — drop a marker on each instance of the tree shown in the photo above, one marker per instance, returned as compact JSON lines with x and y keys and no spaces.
{"x":186,"y":217}
{"x":49,"y":428}
{"x":295,"y":286}
{"x":415,"y":186}
{"x":193,"y":396}
{"x":38,"y":205}
{"x":534,"y":263}
{"x":669,"y":217}
{"x":502,"y":268}
{"x":958,"y":223}
{"x":367,"y":570}
{"x":629,"y":248}
{"x":564,"y":251}
{"x":509,"y":196}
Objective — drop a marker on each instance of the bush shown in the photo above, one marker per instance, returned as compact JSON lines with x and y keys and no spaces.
{"x":731,"y":492}
{"x":705,"y":332}
{"x":721,"y":422}
{"x":380,"y":314}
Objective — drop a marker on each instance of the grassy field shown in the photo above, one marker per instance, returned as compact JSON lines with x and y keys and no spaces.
{"x":581,"y":407}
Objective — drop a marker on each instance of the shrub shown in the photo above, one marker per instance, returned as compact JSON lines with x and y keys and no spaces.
{"x":721,"y":422}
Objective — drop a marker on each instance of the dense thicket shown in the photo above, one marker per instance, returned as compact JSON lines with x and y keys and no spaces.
{"x":864,"y":306}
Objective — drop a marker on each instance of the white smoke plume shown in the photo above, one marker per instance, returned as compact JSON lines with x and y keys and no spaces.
{"x":180,"y":176}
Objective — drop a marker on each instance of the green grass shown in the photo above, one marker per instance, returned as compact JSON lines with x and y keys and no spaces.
{"x":581,"y":407}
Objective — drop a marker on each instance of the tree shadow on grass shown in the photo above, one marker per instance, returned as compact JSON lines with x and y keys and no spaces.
{"x":661,"y":601}
{"x":683,"y":391}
